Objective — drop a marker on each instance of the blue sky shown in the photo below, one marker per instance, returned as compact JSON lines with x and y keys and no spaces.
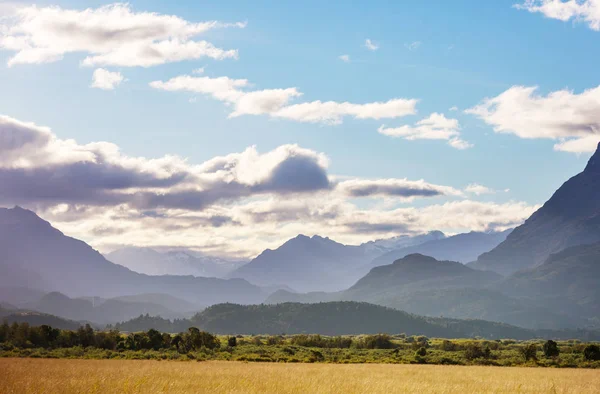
{"x":467,"y":51}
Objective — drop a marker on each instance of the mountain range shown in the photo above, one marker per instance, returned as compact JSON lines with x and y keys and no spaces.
{"x":36,"y":255}
{"x":174,"y":262}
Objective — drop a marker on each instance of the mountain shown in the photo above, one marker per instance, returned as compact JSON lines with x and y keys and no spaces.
{"x":463,"y":248}
{"x":418,"y":272}
{"x":72,"y":267}
{"x":176,"y":262}
{"x":165,"y":300}
{"x":351,"y":318}
{"x":570,"y":217}
{"x":567,"y":282}
{"x":307,"y":264}
{"x":382,"y":246}
{"x":109,"y":311}
{"x":35,"y":319}
{"x":423,"y":285}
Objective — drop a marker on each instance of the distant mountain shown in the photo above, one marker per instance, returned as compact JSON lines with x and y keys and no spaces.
{"x":165,"y":300}
{"x":307,"y":264}
{"x":463,"y":248}
{"x":420,"y":284}
{"x":382,"y":246}
{"x":571,"y":217}
{"x":74,"y":268}
{"x":566,"y":282}
{"x":176,"y":262}
{"x":109,"y":311}
{"x":35,"y":319}
{"x":418,"y":272}
{"x":340,"y":318}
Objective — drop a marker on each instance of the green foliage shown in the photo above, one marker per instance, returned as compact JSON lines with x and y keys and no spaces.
{"x":379,"y":341}
{"x":592,"y":353}
{"x":551,"y":349}
{"x":22,"y":340}
{"x":529,"y":351}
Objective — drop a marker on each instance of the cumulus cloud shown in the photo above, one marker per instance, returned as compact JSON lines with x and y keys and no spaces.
{"x":572,"y":119}
{"x":402,"y":188}
{"x":276,"y":102}
{"x":236,"y":204}
{"x":345,"y":58}
{"x":370,"y":45}
{"x":434,"y":127}
{"x":38,"y":167}
{"x":111,"y":35}
{"x":587,"y":11}
{"x":106,"y":80}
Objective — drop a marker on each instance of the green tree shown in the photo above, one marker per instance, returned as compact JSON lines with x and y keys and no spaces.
{"x":551,"y":349}
{"x":592,"y":353}
{"x":421,"y":352}
{"x":232,"y":341}
{"x":529,"y":351}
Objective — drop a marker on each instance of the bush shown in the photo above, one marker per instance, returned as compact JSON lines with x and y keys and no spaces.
{"x":529,"y":351}
{"x":551,"y":349}
{"x":475,"y":351}
{"x":448,"y":346}
{"x":422,"y":352}
{"x":232,"y":341}
{"x":592,"y":353}
{"x":379,"y":341}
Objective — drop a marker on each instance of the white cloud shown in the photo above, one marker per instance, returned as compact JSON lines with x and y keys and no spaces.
{"x":106,"y":80}
{"x":478,"y":189}
{"x":111,"y":35}
{"x":237,"y":204}
{"x":345,"y":58}
{"x":413,"y":46}
{"x":275,"y":102}
{"x":454,"y":108}
{"x":370,"y":45}
{"x":198,"y":71}
{"x":434,"y":127}
{"x":587,"y":11}
{"x":573,"y":119}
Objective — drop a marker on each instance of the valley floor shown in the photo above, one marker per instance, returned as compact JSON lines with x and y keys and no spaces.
{"x":133,"y":376}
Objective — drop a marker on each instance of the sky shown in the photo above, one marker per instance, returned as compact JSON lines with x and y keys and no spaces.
{"x":230,"y":126}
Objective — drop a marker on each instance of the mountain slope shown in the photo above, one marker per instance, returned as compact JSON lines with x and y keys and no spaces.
{"x":463,"y":248}
{"x":567,"y":281}
{"x":570,"y":217}
{"x":74,"y":268}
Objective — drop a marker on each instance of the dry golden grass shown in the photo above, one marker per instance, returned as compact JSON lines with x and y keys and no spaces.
{"x":112,"y":376}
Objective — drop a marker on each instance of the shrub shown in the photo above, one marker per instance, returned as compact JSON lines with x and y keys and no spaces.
{"x":448,"y":346}
{"x":592,"y":353}
{"x":422,"y":352}
{"x":474,"y":351}
{"x":379,"y":341}
{"x":551,"y":349}
{"x":529,"y":351}
{"x":232,"y":341}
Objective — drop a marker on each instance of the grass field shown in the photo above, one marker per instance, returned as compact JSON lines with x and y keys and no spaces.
{"x":124,"y":376}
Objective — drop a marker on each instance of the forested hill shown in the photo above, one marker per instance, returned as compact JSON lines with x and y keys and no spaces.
{"x":347,"y":318}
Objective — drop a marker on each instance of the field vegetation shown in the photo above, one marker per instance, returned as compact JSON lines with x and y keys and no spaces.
{"x":25,"y":376}
{"x":22,"y":340}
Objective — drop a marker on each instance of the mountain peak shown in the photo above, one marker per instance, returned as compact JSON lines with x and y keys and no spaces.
{"x":594,"y":163}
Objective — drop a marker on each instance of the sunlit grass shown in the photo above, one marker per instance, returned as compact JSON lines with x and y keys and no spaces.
{"x":125,"y":376}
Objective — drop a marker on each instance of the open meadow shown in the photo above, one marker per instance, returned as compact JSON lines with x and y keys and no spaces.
{"x":21,"y":376}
